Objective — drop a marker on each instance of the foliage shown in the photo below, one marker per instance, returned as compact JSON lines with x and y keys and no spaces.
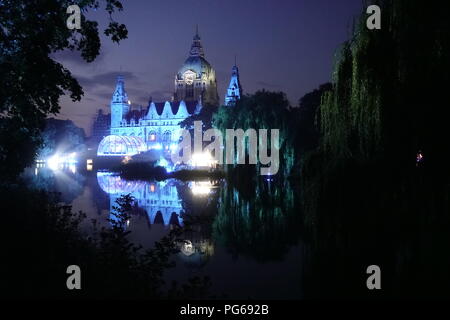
{"x":262,"y":110}
{"x":299,"y":132}
{"x":205,"y":116}
{"x":30,"y":32}
{"x":365,"y":197}
{"x":63,"y":136}
{"x":380,"y":112}
{"x":389,"y":88}
{"x":112,"y":266}
{"x":308,"y":124}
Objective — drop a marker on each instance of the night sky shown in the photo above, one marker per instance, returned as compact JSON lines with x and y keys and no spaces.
{"x":284,"y":45}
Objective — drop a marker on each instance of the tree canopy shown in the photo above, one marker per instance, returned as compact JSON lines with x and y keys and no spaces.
{"x":32,"y":81}
{"x":389,"y":89}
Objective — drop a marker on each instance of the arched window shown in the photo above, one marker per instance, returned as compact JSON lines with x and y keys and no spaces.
{"x":167,"y":136}
{"x":152,"y":136}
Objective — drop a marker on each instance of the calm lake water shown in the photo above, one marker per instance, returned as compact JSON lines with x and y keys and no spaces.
{"x":246,"y":241}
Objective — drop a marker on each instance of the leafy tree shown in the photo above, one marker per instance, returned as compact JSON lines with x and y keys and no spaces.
{"x":32,"y":82}
{"x":51,"y":239}
{"x":308,"y":119}
{"x":381,"y":112}
{"x":262,"y":110}
{"x":365,"y":197}
{"x":205,"y":116}
{"x":63,"y":136}
{"x":389,"y":89}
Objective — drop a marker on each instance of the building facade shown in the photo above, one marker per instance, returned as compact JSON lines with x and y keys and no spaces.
{"x":196,"y":79}
{"x":101,"y":125}
{"x":234,"y":90}
{"x":135,"y":130}
{"x":141,"y":129}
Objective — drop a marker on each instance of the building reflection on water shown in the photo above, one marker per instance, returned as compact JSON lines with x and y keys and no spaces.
{"x":160,"y":200}
{"x":162,"y":203}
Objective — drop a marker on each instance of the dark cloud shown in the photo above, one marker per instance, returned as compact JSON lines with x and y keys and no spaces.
{"x":137,"y":96}
{"x":101,"y":87}
{"x":103,"y":96}
{"x":75,"y":57}
{"x":107,"y":79}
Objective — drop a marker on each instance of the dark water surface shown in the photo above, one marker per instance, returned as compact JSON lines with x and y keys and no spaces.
{"x":247,"y":242}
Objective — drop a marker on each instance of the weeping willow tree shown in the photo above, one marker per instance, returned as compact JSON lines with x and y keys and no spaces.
{"x":388,"y":99}
{"x":389,"y":89}
{"x":365,"y":195}
{"x":262,"y":110}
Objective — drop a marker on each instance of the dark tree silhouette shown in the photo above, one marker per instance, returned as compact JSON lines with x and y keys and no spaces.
{"x":365,"y":196}
{"x":32,"y":82}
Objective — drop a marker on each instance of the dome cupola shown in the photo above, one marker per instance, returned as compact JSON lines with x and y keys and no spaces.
{"x":196,"y":77}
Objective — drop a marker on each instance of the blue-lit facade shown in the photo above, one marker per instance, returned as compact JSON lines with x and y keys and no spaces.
{"x":234,"y":90}
{"x":157,"y":125}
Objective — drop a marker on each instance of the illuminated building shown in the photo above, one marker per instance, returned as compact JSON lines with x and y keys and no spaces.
{"x":100,"y":125}
{"x":121,"y":145}
{"x":157,"y":125}
{"x":196,"y":78}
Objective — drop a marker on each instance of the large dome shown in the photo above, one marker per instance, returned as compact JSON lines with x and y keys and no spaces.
{"x":196,"y":79}
{"x":197,"y":64}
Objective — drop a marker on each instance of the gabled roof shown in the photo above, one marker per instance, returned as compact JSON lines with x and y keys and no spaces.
{"x":190,"y":106}
{"x":159,"y":106}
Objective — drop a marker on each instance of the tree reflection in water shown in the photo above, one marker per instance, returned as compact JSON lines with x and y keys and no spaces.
{"x":67,"y":181}
{"x":262,"y":223}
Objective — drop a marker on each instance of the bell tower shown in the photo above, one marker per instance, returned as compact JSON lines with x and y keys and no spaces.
{"x":119,"y":103}
{"x":234,"y":90}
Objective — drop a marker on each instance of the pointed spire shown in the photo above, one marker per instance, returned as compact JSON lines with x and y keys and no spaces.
{"x":120,"y":95}
{"x":234,"y":90}
{"x":196,"y":48}
{"x":235,"y":70}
